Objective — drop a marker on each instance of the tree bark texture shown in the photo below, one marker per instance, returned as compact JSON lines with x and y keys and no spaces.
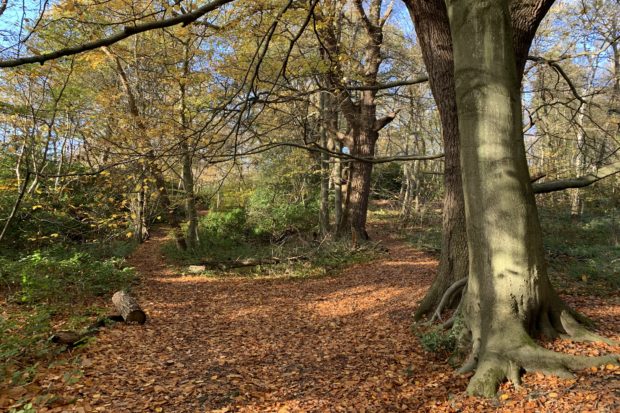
{"x":433,"y":30}
{"x":360,"y":116}
{"x":128,"y":307}
{"x":509,"y":297}
{"x":432,"y":27}
{"x":324,"y":165}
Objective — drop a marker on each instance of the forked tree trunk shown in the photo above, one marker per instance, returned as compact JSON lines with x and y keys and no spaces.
{"x":433,"y":30}
{"x":509,"y":296}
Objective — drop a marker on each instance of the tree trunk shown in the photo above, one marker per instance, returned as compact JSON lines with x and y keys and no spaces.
{"x":509,"y":296}
{"x":337,"y":182}
{"x":360,"y":183}
{"x":192,"y":237}
{"x":324,"y":167}
{"x":433,"y":30}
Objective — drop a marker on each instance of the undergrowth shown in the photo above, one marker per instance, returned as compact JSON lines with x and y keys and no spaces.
{"x":585,"y":251}
{"x":230,"y":236}
{"x":45,"y":288}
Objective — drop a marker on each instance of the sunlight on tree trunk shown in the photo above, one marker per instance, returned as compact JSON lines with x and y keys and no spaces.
{"x":509,"y":296}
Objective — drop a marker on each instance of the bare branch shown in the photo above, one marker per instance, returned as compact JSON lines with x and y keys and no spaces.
{"x":384,"y":121}
{"x":553,"y":64}
{"x":390,"y":85}
{"x":580,"y":182}
{"x":360,"y":10}
{"x":128,"y":31}
{"x":387,"y":14}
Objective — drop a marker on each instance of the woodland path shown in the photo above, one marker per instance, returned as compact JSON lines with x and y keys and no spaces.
{"x":340,"y":343}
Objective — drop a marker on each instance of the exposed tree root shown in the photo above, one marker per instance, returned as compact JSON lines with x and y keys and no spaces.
{"x":447,"y":298}
{"x":577,"y":332}
{"x":493,"y":367}
{"x":499,"y":355}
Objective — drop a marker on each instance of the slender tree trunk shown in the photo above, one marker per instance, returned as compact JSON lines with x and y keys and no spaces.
{"x":324,"y":167}
{"x":337,"y":182}
{"x":16,"y":205}
{"x":140,"y":230}
{"x":192,"y":237}
{"x":509,"y":296}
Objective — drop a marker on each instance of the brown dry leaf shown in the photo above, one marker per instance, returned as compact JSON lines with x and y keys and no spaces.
{"x":341,"y":342}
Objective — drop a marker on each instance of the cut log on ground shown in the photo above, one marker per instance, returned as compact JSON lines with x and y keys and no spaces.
{"x":74,"y":338}
{"x":128,"y":307}
{"x":226,"y":265}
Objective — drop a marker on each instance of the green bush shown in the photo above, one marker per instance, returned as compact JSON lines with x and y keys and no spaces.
{"x":24,"y":342}
{"x":437,"y":340}
{"x":61,"y":278}
{"x":220,"y":225}
{"x":584,"y":249}
{"x":271,"y":214}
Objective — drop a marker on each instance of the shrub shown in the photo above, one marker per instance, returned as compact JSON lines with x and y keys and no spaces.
{"x":24,"y":342}
{"x":61,"y":278}
{"x":270,"y":213}
{"x":221,"y":225}
{"x":437,"y":340}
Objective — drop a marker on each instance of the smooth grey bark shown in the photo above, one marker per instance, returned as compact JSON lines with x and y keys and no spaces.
{"x":509,"y":297}
{"x":324,"y":167}
{"x":431,"y":24}
{"x":192,"y":237}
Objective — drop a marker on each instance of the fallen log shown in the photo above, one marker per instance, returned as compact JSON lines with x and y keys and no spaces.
{"x":128,"y":307}
{"x":74,"y":338}
{"x":251,"y":262}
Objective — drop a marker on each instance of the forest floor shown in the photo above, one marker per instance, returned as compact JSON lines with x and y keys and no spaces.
{"x":335,"y":343}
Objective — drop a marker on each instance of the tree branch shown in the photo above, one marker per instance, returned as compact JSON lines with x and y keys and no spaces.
{"x":3,"y":6}
{"x":582,"y":181}
{"x":360,"y":10}
{"x":390,"y":85}
{"x":553,"y":64}
{"x":127,"y":31}
{"x":384,"y":121}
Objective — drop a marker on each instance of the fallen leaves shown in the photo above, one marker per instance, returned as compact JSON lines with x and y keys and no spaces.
{"x":331,"y":344}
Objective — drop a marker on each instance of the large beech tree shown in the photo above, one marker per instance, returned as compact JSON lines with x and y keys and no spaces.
{"x":430,"y":18}
{"x":509,"y":298}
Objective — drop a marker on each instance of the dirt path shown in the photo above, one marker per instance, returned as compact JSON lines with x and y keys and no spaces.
{"x":332,"y":344}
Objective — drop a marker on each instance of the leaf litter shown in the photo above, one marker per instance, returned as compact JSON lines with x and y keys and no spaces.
{"x":332,"y":344}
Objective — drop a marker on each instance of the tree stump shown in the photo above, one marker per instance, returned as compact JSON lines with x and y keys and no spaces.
{"x":128,"y":307}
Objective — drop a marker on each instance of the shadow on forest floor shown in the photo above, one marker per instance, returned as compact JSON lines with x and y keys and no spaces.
{"x":325,"y":344}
